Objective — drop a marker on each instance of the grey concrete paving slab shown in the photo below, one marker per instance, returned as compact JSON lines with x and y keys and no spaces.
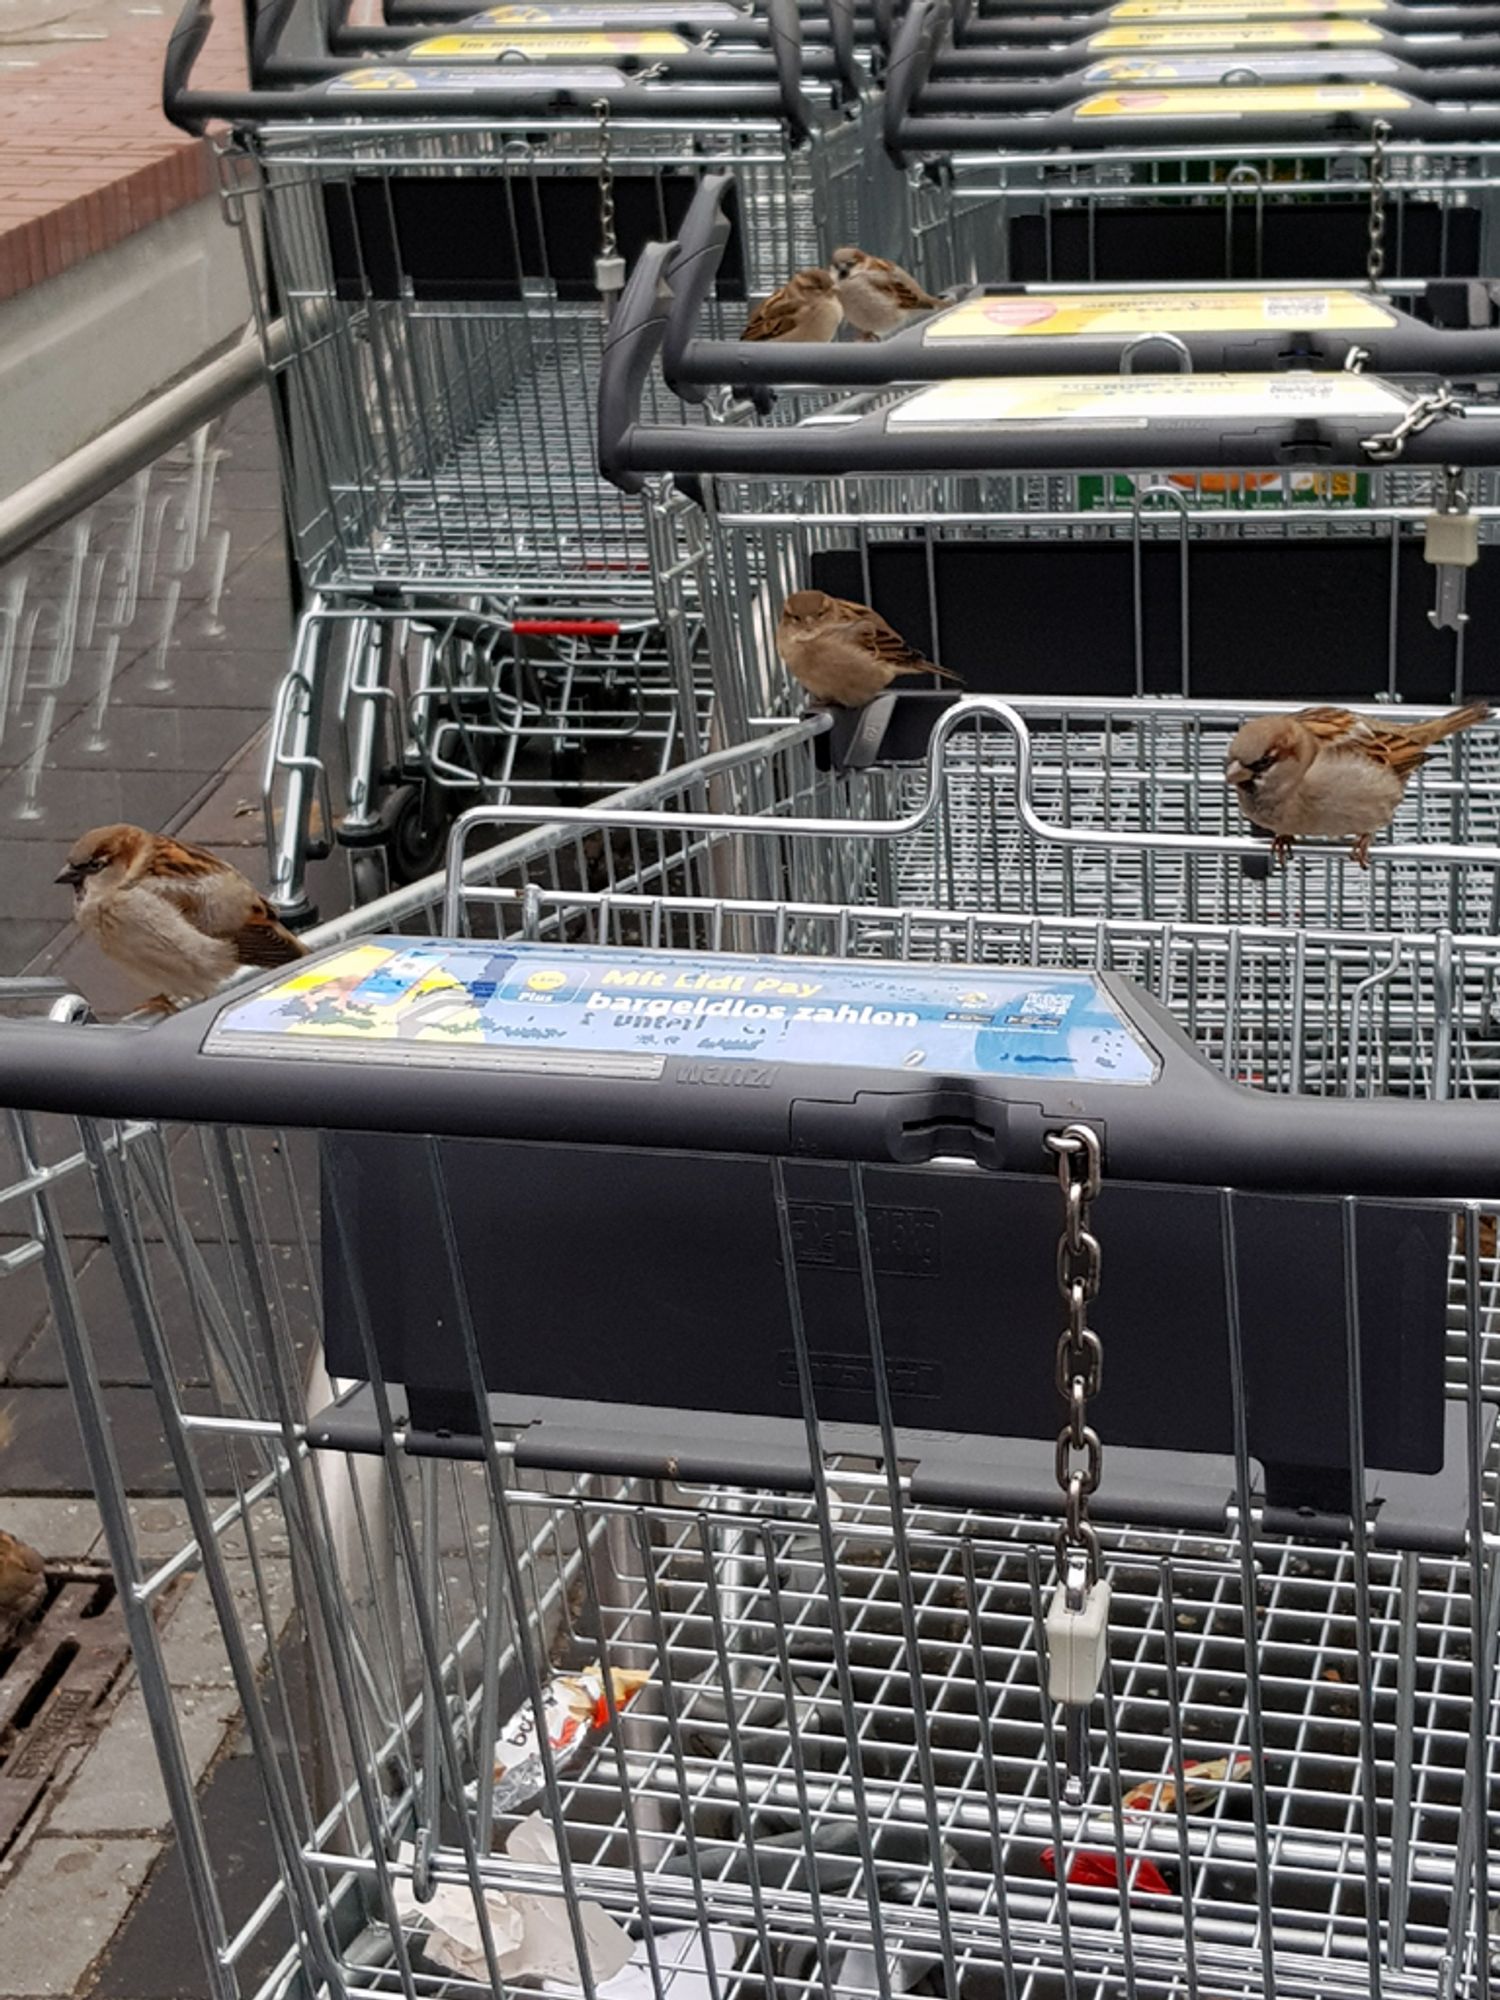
{"x":117,"y":1787}
{"x":61,"y":1907}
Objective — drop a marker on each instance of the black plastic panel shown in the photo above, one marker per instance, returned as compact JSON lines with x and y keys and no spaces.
{"x":1270,"y":620}
{"x":435,"y":239}
{"x":654,"y":1278}
{"x":1148,"y":241}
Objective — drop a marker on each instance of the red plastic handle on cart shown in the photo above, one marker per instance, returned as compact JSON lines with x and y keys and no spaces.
{"x":567,"y":628}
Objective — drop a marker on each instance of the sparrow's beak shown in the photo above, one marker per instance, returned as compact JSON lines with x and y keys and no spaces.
{"x":72,"y":875}
{"x":1235,"y":773}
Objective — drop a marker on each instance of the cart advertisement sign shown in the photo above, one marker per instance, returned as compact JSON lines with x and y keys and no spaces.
{"x":1211,"y":69}
{"x":464,"y":82}
{"x":1105,"y":315}
{"x":498,"y":44}
{"x":1095,"y":402}
{"x":1232,"y":10}
{"x":1274,"y":100}
{"x":539,"y":1007}
{"x":643,"y":14}
{"x":1235,"y":35}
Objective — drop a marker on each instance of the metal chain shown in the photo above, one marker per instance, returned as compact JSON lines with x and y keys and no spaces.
{"x":1080,"y":1353}
{"x":1388,"y":445}
{"x":1375,"y":263}
{"x":607,"y":244}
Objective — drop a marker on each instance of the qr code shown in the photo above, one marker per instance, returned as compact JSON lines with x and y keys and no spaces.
{"x":1054,"y":1005}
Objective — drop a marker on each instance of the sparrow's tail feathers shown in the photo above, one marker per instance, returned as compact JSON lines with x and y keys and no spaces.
{"x":943,"y":674}
{"x":1450,"y":724}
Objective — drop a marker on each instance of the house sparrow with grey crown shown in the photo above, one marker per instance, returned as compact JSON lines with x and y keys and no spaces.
{"x":844,"y":653}
{"x":175,"y":917}
{"x":1329,"y":772}
{"x":805,"y":308}
{"x":877,"y":296}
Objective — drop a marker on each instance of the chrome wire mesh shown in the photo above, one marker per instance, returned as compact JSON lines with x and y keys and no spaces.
{"x":841,"y":1777}
{"x":442,"y":437}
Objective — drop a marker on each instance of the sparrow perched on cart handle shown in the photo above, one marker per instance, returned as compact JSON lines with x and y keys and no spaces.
{"x":175,"y":917}
{"x":805,"y":308}
{"x":876,"y":295}
{"x":844,"y":653}
{"x":1328,"y":771}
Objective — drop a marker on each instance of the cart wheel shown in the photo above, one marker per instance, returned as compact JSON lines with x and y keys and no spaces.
{"x":367,"y":874}
{"x":416,"y":819}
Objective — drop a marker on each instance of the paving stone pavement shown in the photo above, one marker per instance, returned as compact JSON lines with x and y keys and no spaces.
{"x":153,"y":635}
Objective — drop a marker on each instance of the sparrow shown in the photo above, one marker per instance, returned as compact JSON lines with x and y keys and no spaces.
{"x":175,"y":917}
{"x":805,"y":308}
{"x":1328,"y":771}
{"x":23,"y":1585}
{"x":877,"y":296}
{"x":844,"y":653}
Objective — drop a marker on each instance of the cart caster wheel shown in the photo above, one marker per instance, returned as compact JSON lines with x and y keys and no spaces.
{"x":297,"y":916}
{"x":416,"y":820}
{"x":367,"y":875}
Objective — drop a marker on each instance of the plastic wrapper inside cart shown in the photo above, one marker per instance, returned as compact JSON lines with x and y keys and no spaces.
{"x":632,"y":1098}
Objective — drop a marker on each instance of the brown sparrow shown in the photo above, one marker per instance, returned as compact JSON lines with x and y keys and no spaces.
{"x":174,"y":916}
{"x":23,"y":1584}
{"x":1327,"y":771}
{"x":877,"y":296}
{"x":805,"y":308}
{"x":844,"y":653}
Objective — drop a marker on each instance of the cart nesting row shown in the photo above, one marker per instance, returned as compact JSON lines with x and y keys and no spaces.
{"x":870,"y":1367}
{"x":435,"y":238}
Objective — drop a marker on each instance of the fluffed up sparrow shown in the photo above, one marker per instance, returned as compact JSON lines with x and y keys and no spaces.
{"x":805,"y":308}
{"x":844,"y":653}
{"x":175,"y":917}
{"x":877,"y":296}
{"x":1328,"y":771}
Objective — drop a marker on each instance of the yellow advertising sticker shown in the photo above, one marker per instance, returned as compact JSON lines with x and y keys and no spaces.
{"x":1235,"y":35}
{"x":1108,"y":401}
{"x":548,"y":47}
{"x":377,"y":79}
{"x":1274,"y":100}
{"x":1105,"y":315}
{"x":1232,"y":10}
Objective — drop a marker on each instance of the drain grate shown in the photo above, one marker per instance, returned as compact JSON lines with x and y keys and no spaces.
{"x":51,"y":1685}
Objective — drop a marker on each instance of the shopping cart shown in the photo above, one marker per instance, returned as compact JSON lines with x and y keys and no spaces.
{"x":709,"y":1356}
{"x":1253,"y":178}
{"x":1245,"y":536}
{"x":435,"y":241}
{"x":1405,"y":329}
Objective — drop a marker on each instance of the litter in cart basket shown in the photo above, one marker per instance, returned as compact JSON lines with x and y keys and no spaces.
{"x":688,"y":1606}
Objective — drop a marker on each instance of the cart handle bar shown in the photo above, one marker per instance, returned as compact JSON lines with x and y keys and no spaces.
{"x":191,"y":109}
{"x":692,"y":365}
{"x":926,"y":31}
{"x":971,"y":708}
{"x":339,"y":36}
{"x":1432,"y":430}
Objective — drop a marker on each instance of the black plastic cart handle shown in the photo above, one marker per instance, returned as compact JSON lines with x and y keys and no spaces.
{"x":1234,"y":43}
{"x":1391,"y":341}
{"x":1190,"y":1127}
{"x":927,"y":438}
{"x":948,"y":91}
{"x":1266,"y":114}
{"x":485,"y":94}
{"x":827,"y":51}
{"x":1024,"y":23}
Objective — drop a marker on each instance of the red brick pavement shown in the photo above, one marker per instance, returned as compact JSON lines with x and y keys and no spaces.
{"x":86,"y":156}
